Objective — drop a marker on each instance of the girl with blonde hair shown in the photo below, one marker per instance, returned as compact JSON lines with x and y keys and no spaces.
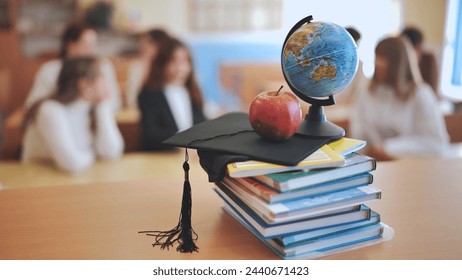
{"x":398,"y":114}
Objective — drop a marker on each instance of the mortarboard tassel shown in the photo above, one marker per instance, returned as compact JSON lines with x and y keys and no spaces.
{"x":187,"y":244}
{"x":183,"y":233}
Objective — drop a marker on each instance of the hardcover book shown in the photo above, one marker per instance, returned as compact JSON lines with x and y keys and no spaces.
{"x":305,"y":206}
{"x":345,"y":146}
{"x":322,"y":158}
{"x":340,"y":217}
{"x":272,"y":195}
{"x":329,"y":155}
{"x":356,"y":239}
{"x":355,"y":164}
{"x":310,"y":235}
{"x":349,"y":236}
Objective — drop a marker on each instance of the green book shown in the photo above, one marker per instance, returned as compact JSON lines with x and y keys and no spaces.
{"x":355,"y":164}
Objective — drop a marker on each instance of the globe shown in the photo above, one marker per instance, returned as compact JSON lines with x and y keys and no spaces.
{"x":319,"y":59}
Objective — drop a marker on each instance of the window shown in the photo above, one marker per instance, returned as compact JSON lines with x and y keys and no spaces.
{"x":457,"y":67}
{"x":234,"y":15}
{"x":451,"y":79}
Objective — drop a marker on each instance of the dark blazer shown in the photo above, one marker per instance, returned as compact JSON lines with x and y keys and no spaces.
{"x":157,"y":121}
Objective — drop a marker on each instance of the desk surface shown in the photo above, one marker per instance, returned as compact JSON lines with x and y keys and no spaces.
{"x":133,"y":166}
{"x":421,"y":201}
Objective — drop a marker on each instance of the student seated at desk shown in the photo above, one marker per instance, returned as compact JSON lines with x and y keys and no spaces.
{"x":76,"y":124}
{"x":77,"y":40}
{"x":398,"y":115}
{"x":170,"y":100}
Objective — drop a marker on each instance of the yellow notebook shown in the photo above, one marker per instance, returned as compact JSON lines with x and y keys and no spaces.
{"x":345,"y":146}
{"x":329,"y":155}
{"x":322,"y":158}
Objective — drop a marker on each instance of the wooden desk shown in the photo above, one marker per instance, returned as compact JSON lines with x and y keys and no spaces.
{"x":131,"y":167}
{"x":421,"y":201}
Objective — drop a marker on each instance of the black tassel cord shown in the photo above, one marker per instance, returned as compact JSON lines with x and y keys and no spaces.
{"x":183,"y":233}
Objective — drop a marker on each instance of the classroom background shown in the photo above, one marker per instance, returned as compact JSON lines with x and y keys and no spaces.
{"x":236,"y":46}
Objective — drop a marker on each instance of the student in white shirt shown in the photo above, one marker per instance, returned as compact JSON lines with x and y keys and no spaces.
{"x":78,"y":39}
{"x":75,"y":125}
{"x":398,"y":115}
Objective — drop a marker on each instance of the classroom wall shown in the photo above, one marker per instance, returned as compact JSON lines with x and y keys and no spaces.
{"x":133,"y":15}
{"x":429,"y":15}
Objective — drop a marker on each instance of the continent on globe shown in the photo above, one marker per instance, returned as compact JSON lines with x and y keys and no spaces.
{"x":300,"y":39}
{"x":324,"y":71}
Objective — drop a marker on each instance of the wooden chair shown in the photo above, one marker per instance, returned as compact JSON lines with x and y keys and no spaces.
{"x":454,"y":127}
{"x":4,"y":92}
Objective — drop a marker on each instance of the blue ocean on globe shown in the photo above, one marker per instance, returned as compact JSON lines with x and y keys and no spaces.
{"x":319,"y":59}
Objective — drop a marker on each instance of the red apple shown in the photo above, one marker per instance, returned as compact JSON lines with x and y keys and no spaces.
{"x":275,"y":115}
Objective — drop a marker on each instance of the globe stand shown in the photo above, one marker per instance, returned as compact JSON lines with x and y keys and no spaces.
{"x":316,"y":125}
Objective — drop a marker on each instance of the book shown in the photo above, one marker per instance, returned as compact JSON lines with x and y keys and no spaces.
{"x":355,"y":164}
{"x":328,"y":241}
{"x":272,"y":195}
{"x":321,"y":158}
{"x":341,"y":217}
{"x":304,"y":207}
{"x":345,"y":146}
{"x":368,"y":236}
{"x":387,"y":234}
{"x":335,"y":239}
{"x":313,"y":234}
{"x":329,"y":155}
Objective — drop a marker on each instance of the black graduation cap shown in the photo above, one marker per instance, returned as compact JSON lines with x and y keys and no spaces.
{"x":229,"y":138}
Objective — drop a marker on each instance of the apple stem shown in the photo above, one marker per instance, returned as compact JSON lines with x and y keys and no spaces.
{"x":279,"y":90}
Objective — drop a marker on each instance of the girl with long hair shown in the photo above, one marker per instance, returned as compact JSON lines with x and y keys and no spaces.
{"x":77,"y":40}
{"x":171,"y":99}
{"x":398,"y":115}
{"x":75,"y":125}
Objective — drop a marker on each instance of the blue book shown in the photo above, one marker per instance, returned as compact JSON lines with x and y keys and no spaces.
{"x":306,"y":206}
{"x":272,"y":195}
{"x":310,"y":235}
{"x":341,"y":217}
{"x":347,"y":241}
{"x":351,"y":235}
{"x":354,"y":164}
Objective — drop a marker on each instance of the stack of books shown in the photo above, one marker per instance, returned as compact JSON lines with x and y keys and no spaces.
{"x":310,"y":210}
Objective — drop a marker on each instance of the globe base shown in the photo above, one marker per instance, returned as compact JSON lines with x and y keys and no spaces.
{"x":325,"y":130}
{"x":316,"y":125}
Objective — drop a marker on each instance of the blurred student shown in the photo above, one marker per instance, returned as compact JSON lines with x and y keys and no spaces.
{"x":171,"y":100}
{"x":77,"y":40}
{"x":349,"y":94}
{"x":75,"y":125}
{"x":428,"y":64}
{"x":397,"y":115}
{"x":138,"y":70}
